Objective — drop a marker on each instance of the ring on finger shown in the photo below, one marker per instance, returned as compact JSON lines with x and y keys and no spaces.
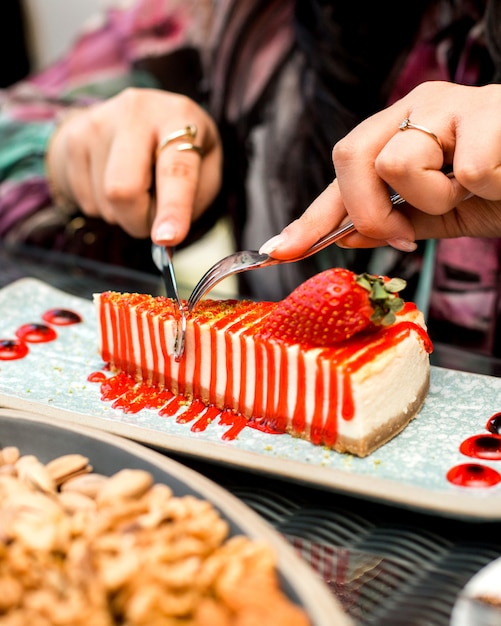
{"x":190,"y":146}
{"x":188,"y":132}
{"x":406,"y":124}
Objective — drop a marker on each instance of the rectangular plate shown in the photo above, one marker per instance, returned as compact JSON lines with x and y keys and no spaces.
{"x":410,"y":471}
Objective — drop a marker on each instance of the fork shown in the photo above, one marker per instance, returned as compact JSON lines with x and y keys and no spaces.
{"x":251,"y":260}
{"x":162,"y":257}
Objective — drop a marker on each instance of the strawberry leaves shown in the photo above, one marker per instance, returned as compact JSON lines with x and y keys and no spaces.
{"x":383,"y":295}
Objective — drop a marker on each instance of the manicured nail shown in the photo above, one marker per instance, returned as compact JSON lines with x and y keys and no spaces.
{"x":272,"y":244}
{"x":405,"y":245}
{"x":165,"y":231}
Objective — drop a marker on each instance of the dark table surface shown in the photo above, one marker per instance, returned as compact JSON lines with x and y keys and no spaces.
{"x":387,"y":565}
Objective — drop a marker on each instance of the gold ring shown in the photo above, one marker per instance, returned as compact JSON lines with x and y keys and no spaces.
{"x":189,"y":146}
{"x":406,"y":124}
{"x":188,"y":132}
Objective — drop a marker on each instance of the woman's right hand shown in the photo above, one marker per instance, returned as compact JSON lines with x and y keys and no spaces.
{"x":103,"y":158}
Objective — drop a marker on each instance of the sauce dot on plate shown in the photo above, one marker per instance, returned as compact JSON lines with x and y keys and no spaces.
{"x":11,"y":349}
{"x":61,"y":317}
{"x":473,"y":475}
{"x":36,"y":333}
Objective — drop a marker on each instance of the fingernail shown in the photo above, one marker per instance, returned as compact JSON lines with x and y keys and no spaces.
{"x":272,"y":244}
{"x":165,"y":232}
{"x":405,"y":245}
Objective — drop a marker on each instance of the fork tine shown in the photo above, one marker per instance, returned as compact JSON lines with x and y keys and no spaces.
{"x":206,"y":283}
{"x":208,"y":280}
{"x":232,"y":264}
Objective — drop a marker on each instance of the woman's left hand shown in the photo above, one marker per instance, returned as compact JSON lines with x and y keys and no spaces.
{"x":462,"y":129}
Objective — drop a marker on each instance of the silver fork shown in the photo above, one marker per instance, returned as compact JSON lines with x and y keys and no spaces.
{"x":251,"y":260}
{"x":162,"y":257}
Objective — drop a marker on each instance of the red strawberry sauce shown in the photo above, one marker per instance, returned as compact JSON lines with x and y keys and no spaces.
{"x":120,"y":313}
{"x":34,"y":332}
{"x":11,"y":349}
{"x":486,"y":447}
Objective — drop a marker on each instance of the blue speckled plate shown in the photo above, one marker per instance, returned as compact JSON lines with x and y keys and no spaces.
{"x":409,"y":471}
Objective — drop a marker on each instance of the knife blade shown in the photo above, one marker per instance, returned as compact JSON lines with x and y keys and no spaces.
{"x":162,"y":257}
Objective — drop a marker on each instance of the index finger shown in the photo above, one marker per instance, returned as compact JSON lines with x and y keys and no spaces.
{"x":364,"y":193}
{"x":177,"y":177}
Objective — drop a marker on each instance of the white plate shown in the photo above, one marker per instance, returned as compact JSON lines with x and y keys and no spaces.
{"x":108,"y":454}
{"x":466,"y":611}
{"x":410,"y":470}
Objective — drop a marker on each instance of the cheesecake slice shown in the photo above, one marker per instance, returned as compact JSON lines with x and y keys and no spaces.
{"x":351,"y":395}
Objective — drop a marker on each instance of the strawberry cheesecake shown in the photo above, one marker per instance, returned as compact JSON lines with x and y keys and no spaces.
{"x":343,"y":361}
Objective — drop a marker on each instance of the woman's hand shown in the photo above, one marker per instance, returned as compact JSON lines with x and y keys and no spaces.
{"x":377,"y":155}
{"x":103,"y":159}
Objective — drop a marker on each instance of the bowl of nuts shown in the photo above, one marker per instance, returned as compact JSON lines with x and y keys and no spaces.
{"x":97,"y":529}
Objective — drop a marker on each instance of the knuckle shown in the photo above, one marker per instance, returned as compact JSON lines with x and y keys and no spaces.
{"x":343,"y":150}
{"x":428,"y":89}
{"x":471,"y":174}
{"x":179,"y":169}
{"x":185,"y":104}
{"x":368,"y":226}
{"x":388,"y":163}
{"x":131,"y":96}
{"x":120,"y":191}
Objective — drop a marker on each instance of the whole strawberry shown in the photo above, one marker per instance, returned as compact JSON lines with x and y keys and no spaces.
{"x":333,"y":306}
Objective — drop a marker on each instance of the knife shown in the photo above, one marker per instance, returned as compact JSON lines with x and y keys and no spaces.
{"x":162,"y":257}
